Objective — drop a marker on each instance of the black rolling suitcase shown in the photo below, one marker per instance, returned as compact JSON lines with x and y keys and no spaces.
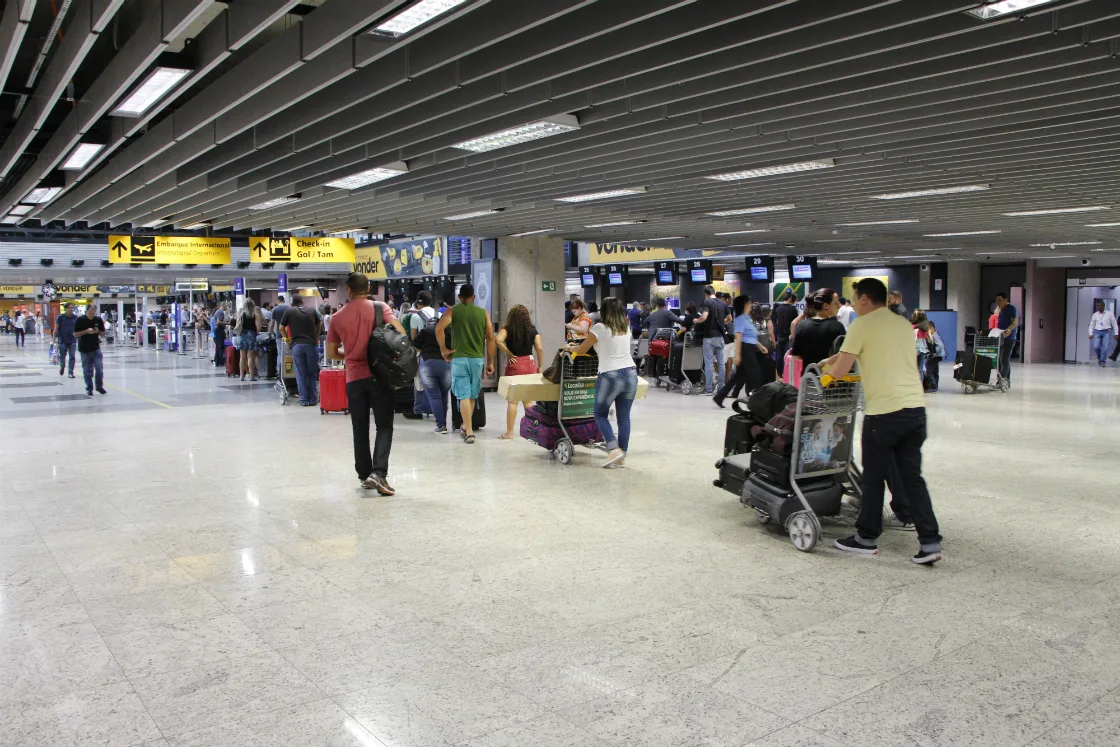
{"x":774,"y":466}
{"x":478,"y":420}
{"x":973,"y":367}
{"x":733,"y":473}
{"x":737,"y":435}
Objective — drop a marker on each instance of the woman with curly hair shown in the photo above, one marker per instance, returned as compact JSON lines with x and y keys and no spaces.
{"x":519,"y":340}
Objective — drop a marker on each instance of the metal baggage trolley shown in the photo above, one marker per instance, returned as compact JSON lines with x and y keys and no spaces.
{"x":657,"y":365}
{"x":578,"y":375}
{"x":286,"y":383}
{"x":988,"y":347}
{"x":823,"y":432}
{"x":692,"y":359}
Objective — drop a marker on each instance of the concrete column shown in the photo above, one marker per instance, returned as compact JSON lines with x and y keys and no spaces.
{"x":525,"y":263}
{"x":923,"y":286}
{"x":964,"y":296}
{"x":1045,"y":312}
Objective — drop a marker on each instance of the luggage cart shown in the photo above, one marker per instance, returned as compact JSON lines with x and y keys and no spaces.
{"x":987,"y":347}
{"x":639,"y":351}
{"x":578,"y":375}
{"x":688,"y":374}
{"x":820,"y":461}
{"x":286,"y":385}
{"x":657,"y":364}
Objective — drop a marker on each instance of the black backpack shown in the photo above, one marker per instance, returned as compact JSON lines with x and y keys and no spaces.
{"x":391,"y":357}
{"x":426,"y":336}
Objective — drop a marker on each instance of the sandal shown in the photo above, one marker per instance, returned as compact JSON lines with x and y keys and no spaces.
{"x":468,"y":439}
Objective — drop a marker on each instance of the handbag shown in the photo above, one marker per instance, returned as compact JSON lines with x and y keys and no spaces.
{"x":552,"y":373}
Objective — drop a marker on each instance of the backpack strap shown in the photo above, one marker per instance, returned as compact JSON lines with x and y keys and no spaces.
{"x":377,"y":312}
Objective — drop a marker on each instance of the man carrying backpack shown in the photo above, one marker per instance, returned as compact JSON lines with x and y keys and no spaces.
{"x":435,"y":372}
{"x":348,"y":340}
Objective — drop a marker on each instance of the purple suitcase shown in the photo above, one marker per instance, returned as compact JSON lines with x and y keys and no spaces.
{"x":544,"y":430}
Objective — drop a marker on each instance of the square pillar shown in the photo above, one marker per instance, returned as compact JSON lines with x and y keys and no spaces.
{"x":528,"y":262}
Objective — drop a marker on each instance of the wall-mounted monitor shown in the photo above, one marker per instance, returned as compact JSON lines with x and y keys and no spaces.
{"x":616,"y":275}
{"x":586,"y":277}
{"x":802,"y":267}
{"x":666,"y":273}
{"x":700,"y":271}
{"x":760,"y":269}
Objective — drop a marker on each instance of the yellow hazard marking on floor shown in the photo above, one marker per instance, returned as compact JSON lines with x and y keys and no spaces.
{"x":139,"y":396}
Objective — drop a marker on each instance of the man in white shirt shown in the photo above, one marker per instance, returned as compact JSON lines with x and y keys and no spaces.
{"x":846,"y":312}
{"x":1101,"y":327}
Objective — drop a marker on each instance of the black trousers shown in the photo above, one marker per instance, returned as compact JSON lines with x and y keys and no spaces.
{"x":365,"y":395}
{"x":780,"y":360}
{"x":746,"y":374}
{"x":897,"y":438}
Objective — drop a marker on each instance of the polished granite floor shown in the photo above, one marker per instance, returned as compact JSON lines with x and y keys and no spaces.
{"x":184,"y":562}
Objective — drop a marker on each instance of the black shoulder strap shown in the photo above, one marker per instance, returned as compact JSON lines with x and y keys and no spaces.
{"x":377,"y":312}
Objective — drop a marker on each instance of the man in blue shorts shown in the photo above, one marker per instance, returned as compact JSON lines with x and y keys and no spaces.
{"x":472,"y":334}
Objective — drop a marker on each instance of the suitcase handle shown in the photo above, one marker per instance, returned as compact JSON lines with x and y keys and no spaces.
{"x":827,"y":381}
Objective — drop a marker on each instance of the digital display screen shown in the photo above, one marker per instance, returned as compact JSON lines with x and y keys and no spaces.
{"x":700,"y":276}
{"x":588,"y":280}
{"x":760,"y":273}
{"x":802,"y":272}
{"x":614,"y":278}
{"x":666,"y":277}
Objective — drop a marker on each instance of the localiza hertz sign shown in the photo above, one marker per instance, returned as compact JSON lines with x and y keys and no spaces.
{"x":168,"y":250}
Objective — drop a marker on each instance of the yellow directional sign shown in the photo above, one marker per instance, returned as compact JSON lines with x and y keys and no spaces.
{"x":168,"y":250}
{"x":301,"y":249}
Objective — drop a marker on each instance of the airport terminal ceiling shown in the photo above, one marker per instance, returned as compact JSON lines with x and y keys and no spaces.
{"x":862,"y":131}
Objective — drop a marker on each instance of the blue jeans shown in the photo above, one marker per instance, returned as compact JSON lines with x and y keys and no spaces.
{"x":713,"y":350}
{"x":92,"y":371}
{"x":616,"y":388}
{"x":305,"y":357}
{"x":1099,"y":345}
{"x":66,"y":349}
{"x":435,"y":375}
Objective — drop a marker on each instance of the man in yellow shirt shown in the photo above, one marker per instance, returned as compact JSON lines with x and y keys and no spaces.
{"x":895,"y":426}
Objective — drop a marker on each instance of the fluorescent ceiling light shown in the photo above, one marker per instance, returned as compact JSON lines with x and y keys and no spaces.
{"x":521,"y":134}
{"x":841,"y":254}
{"x":932,"y":192}
{"x":475,"y":214}
{"x":659,"y":238}
{"x":789,"y":168}
{"x":1058,"y":211}
{"x":81,"y":156}
{"x":962,"y":233}
{"x":908,"y":256}
{"x":747,"y":211}
{"x":534,"y":233}
{"x":1055,"y":256}
{"x":369,"y":176}
{"x":1101,"y":225}
{"x":881,"y":222}
{"x":195,"y":226}
{"x":948,"y":249}
{"x":39,"y":195}
{"x":1069,"y":243}
{"x":155,"y":223}
{"x":151,"y":89}
{"x":615,"y":223}
{"x":736,"y":246}
{"x":276,"y":202}
{"x":749,"y":230}
{"x":1005,"y":7}
{"x":987,"y":253}
{"x":21,"y":209}
{"x":9,"y":220}
{"x":416,"y":15}
{"x":603,"y":195}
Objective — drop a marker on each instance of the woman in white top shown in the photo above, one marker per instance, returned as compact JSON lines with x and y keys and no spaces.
{"x":618,"y":377}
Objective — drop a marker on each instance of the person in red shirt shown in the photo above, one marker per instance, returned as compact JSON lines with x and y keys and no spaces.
{"x":347,"y":340}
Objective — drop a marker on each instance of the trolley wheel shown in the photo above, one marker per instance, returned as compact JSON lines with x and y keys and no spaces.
{"x":564,"y":451}
{"x":970,"y":388}
{"x":762,"y":516}
{"x":804,"y":530}
{"x":686,"y":386}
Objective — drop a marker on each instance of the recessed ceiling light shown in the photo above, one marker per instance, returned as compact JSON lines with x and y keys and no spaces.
{"x":839,"y":254}
{"x":881,"y":222}
{"x":942,"y":249}
{"x":747,"y":211}
{"x":987,"y":253}
{"x":415,"y":15}
{"x":277,"y":202}
{"x":533,"y":233}
{"x":749,"y":230}
{"x":932,"y":192}
{"x":1058,"y":211}
{"x":735,"y":246}
{"x":521,"y":134}
{"x":153,"y":88}
{"x":81,"y":156}
{"x":789,"y":168}
{"x":39,"y":195}
{"x":1101,"y":225}
{"x":369,"y":176}
{"x":659,"y":238}
{"x":1005,"y":7}
{"x":603,"y":195}
{"x":1055,"y":256}
{"x":475,"y":214}
{"x":962,"y":233}
{"x":21,"y":209}
{"x":616,"y":223}
{"x":1069,"y":243}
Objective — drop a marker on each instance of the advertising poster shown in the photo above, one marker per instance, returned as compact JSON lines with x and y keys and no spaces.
{"x":824,"y":443}
{"x":847,"y":286}
{"x":402,"y":259}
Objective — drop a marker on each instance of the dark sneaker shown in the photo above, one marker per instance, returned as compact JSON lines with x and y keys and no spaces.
{"x":71,"y":376}
{"x":89,"y":393}
{"x":61,"y":371}
{"x":381,"y":485}
{"x":851,"y":544}
{"x":102,"y":391}
{"x":927,"y":558}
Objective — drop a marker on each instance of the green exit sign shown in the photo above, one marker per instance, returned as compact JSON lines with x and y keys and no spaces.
{"x":548,"y":285}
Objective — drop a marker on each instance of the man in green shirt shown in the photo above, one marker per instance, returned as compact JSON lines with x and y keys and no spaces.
{"x":472,"y":333}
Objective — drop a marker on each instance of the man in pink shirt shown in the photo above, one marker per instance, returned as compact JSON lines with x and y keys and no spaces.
{"x":347,"y":339}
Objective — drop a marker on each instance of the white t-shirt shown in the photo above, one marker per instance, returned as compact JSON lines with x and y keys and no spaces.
{"x":845,"y":315}
{"x":613,"y":350}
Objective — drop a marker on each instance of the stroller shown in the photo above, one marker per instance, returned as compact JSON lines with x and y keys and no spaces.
{"x":685,"y":370}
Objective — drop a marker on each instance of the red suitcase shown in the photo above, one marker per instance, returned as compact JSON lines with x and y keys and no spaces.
{"x":233,"y":361}
{"x":332,"y":391}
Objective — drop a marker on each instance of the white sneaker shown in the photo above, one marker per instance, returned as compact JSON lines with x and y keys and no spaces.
{"x":614,"y":457}
{"x":891,"y":521}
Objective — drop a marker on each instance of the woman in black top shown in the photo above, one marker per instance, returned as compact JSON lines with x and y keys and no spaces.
{"x":815,"y":335}
{"x":519,"y":340}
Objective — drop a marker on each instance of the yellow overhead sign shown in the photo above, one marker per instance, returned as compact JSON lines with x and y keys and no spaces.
{"x":168,"y":250}
{"x":17,"y":290}
{"x":301,"y":249}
